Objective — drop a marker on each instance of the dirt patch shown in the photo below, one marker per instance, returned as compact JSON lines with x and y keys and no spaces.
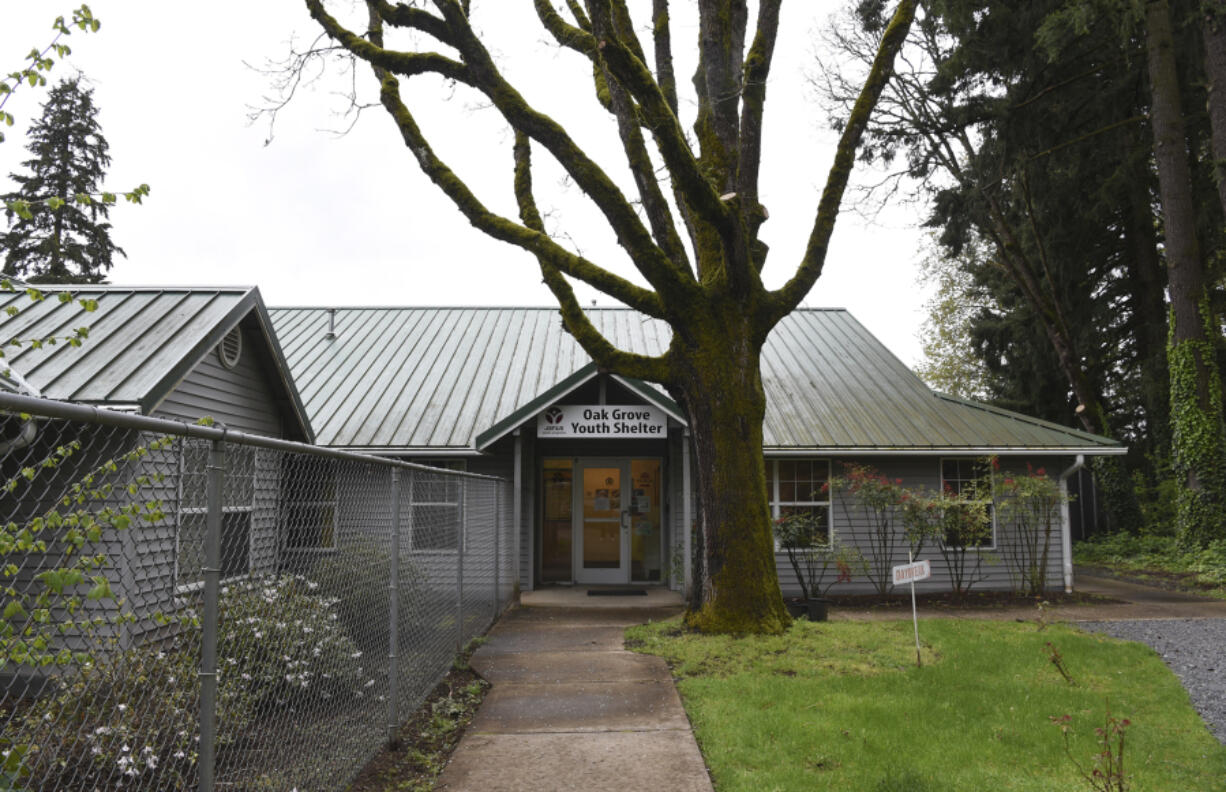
{"x":1188,"y":582}
{"x":426,"y":740}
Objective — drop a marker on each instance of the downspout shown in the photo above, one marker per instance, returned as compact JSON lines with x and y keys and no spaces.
{"x":1066,"y":539}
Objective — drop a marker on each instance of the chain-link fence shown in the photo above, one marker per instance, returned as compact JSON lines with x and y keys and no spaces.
{"x":186,"y":608}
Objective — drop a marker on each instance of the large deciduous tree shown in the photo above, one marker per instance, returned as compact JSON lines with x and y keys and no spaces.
{"x":61,"y":234}
{"x":693,"y":234}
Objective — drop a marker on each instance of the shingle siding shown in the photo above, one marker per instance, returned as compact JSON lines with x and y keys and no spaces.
{"x":239,"y":398}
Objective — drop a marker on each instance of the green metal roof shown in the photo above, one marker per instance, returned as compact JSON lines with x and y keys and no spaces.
{"x":437,"y":379}
{"x":142,"y":341}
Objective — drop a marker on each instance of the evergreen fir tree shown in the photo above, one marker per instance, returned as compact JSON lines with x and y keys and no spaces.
{"x":67,"y":238}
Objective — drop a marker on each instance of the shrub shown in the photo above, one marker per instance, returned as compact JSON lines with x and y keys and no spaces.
{"x":132,"y":718}
{"x":1029,"y":505}
{"x":282,"y":640}
{"x":878,"y":499}
{"x":356,"y":576}
{"x":814,"y":556}
{"x":126,"y":720}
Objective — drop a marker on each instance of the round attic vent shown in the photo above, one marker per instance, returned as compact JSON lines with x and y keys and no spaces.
{"x":231,"y":348}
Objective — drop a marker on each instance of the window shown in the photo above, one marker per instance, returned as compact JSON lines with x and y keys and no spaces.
{"x":437,"y":506}
{"x":800,"y":485}
{"x":970,"y":478}
{"x":237,"y":497}
{"x":308,"y":502}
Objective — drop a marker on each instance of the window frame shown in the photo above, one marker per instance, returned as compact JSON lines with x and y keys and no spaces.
{"x":331,"y":482}
{"x":990,"y":501}
{"x":193,"y":586}
{"x":777,"y":505}
{"x":448,"y":464}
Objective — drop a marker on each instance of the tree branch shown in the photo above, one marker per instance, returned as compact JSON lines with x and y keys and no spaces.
{"x":659,"y":214}
{"x":753,"y":97}
{"x":407,"y":64}
{"x":650,"y":260}
{"x":403,"y":16}
{"x":789,"y":296}
{"x":576,"y":321}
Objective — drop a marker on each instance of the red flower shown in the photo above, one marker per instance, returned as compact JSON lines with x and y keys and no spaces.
{"x":1041,"y":471}
{"x":897,"y":481}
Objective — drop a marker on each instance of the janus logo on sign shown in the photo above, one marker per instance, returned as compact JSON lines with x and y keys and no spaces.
{"x":912,"y":573}
{"x":602,"y":420}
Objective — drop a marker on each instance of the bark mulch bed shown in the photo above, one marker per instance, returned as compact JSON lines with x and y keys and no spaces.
{"x":974,"y":600}
{"x":426,"y":740}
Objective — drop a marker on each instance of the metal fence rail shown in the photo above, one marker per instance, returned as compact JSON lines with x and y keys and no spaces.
{"x":183,"y":607}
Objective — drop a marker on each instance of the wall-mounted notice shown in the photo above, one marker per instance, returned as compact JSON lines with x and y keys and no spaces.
{"x":625,"y":421}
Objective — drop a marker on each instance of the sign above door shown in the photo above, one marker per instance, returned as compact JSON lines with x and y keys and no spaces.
{"x":625,"y":421}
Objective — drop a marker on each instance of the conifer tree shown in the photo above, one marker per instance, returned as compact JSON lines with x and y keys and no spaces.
{"x":64,"y":236}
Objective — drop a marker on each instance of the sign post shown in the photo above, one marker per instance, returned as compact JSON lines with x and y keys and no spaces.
{"x":909,"y":573}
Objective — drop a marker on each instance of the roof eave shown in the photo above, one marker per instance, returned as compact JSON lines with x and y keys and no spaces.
{"x":796,"y":451}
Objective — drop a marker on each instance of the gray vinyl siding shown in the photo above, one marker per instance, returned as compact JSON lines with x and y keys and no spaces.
{"x":239,"y":398}
{"x":852,"y":526}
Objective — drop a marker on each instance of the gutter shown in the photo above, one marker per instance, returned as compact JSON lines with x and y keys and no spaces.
{"x":1066,"y":539}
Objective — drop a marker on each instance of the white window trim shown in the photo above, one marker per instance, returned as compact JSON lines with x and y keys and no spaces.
{"x":454,"y":466}
{"x":180,"y":510}
{"x":776,"y":505}
{"x":991,"y":501}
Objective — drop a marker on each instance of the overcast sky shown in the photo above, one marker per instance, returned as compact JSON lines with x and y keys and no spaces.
{"x":317,"y":218}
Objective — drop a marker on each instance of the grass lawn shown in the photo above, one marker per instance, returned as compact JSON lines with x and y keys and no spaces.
{"x":841,"y":706}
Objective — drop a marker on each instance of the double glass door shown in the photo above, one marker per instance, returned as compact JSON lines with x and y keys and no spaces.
{"x":614,"y":516}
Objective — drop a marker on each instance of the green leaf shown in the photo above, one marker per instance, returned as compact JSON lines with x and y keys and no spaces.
{"x":54,"y":202}
{"x":101,"y":589}
{"x":14,"y":611}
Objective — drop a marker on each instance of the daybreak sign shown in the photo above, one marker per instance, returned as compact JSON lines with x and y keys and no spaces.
{"x":624,"y":421}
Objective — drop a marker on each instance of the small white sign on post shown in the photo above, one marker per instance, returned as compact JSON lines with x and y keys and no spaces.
{"x":910,"y":573}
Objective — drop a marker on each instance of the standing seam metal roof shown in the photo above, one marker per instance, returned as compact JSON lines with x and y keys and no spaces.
{"x":142,"y":341}
{"x":418,"y":378}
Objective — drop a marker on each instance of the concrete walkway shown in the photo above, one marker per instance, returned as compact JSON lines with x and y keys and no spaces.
{"x":570,"y":709}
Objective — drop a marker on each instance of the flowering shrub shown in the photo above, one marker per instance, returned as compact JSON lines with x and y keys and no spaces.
{"x":281,"y":641}
{"x":878,"y":499}
{"x":132,"y":718}
{"x":125,"y":720}
{"x":1029,"y":506}
{"x":813,"y":555}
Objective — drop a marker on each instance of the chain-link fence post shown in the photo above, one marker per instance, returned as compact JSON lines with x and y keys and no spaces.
{"x":393,"y":617}
{"x":459,"y":572}
{"x":497,"y":543}
{"x":212,"y":579}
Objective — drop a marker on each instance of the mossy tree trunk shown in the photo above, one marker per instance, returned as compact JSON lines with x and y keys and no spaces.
{"x":692,"y":235}
{"x":718,"y":383}
{"x":1197,"y":433}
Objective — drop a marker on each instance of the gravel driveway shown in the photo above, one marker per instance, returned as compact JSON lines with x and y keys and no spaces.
{"x":1195,"y":649}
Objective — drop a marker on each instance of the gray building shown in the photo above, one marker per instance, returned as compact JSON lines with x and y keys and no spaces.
{"x":177,"y":353}
{"x":602,"y":464}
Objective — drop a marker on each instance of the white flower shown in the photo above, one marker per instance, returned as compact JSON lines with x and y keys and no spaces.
{"x":179,"y":754}
{"x":121,"y":707}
